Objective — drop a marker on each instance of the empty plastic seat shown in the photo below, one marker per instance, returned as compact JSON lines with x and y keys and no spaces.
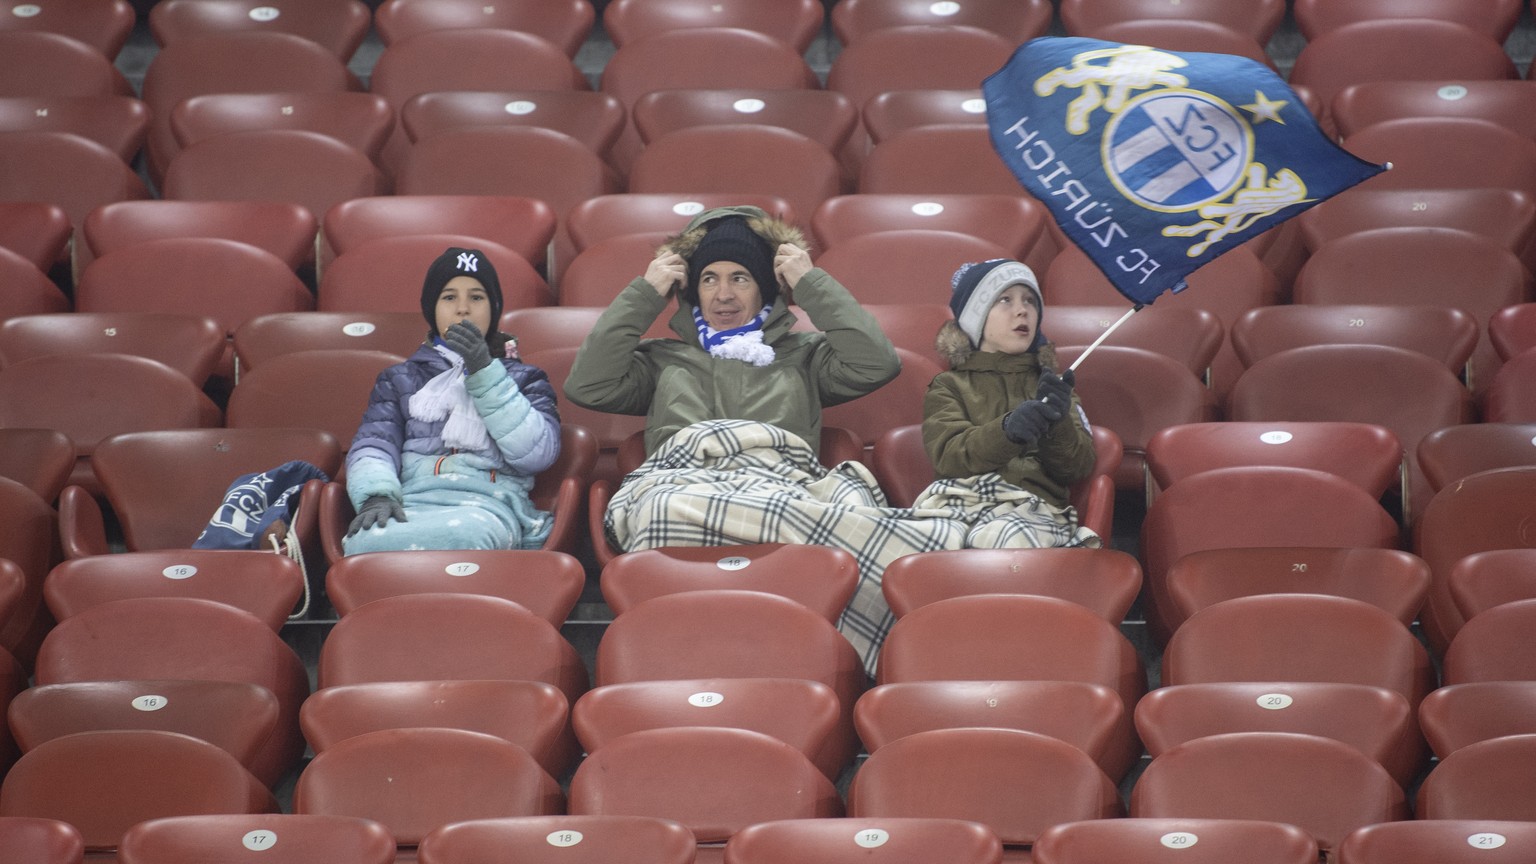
{"x":1457,"y":715}
{"x":424,"y":637}
{"x":1256,"y":18}
{"x":1184,"y":35}
{"x":102,"y":24}
{"x":487,"y":59}
{"x":238,"y":717}
{"x":53,"y":64}
{"x":39,"y":459}
{"x":523,"y":225}
{"x":1103,"y":580}
{"x":793,"y":22}
{"x":265,"y":337}
{"x":1501,"y":214}
{"x":384,"y":274}
{"x":36,"y":232}
{"x":1378,"y":722}
{"x":1511,"y":396}
{"x":824,"y":116}
{"x":1187,"y":841}
{"x":1397,"y":49}
{"x":324,"y":390}
{"x":1431,"y":153}
{"x":413,"y":781}
{"x":1446,"y":333}
{"x":1485,"y":780}
{"x":1324,"y":787}
{"x":565,"y":23}
{"x":104,"y":783}
{"x":716,"y":781}
{"x":29,"y":291}
{"x":191,"y":344}
{"x":739,"y":158}
{"x":1483,"y":511}
{"x":136,"y":469}
{"x":1495,"y":19}
{"x":1235,"y":507}
{"x":118,"y":123}
{"x":245,"y":62}
{"x":601,"y":270}
{"x":844,"y":841}
{"x":1402,"y":390}
{"x":1014,"y":222}
{"x":1016,"y":783}
{"x":1491,"y":646}
{"x":359,"y":120}
{"x":545,"y":583}
{"x":1188,"y":334}
{"x":337,"y":25}
{"x":595,"y":119}
{"x":565,"y":839}
{"x":266,"y":585}
{"x":1512,"y":329}
{"x":284,"y":229}
{"x":1017,"y":22}
{"x":42,"y":840}
{"x":597,"y":219}
{"x":802,"y":713}
{"x":918,"y":57}
{"x":531,"y":714}
{"x":1393,"y":580}
{"x":1438,"y":841}
{"x":1298,"y":637}
{"x":315,"y":839}
{"x":1483,"y":580}
{"x":91,"y":397}
{"x":1504,"y":102}
{"x":893,"y":112}
{"x":1366,"y":454}
{"x":1090,"y":717}
{"x":821,"y":578}
{"x":523,"y":161}
{"x":182,"y":637}
{"x":691,"y":57}
{"x":1449,"y":454}
{"x":936,"y":160}
{"x":73,"y":173}
{"x":904,"y":266}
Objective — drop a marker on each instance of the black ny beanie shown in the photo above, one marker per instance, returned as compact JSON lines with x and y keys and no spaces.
{"x":731,"y":239}
{"x":460,"y":262}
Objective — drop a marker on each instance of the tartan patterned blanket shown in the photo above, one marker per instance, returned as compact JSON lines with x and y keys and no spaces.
{"x":729,"y":482}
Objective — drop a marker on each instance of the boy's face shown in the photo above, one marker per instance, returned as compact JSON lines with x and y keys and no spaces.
{"x":1011,"y":322}
{"x":463,"y":299}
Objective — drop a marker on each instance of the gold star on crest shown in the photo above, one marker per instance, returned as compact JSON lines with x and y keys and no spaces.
{"x":1263,"y":108}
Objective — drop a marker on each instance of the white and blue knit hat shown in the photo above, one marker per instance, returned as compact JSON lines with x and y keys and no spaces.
{"x":976,"y":287}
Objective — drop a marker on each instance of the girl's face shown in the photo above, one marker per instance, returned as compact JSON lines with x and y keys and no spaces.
{"x":1011,"y":322}
{"x":463,"y":299}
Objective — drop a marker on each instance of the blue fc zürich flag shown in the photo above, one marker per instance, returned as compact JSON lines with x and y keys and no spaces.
{"x":1154,"y":162}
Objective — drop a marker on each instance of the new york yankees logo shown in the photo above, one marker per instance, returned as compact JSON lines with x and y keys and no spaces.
{"x":468,"y":262}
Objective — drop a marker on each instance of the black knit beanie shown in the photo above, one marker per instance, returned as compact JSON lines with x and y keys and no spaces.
{"x":731,"y":239}
{"x":460,"y":262}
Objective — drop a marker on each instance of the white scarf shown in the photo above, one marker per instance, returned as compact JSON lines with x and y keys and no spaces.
{"x":445,"y":396}
{"x":744,"y":343}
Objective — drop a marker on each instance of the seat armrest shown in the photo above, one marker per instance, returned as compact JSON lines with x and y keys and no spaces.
{"x":82,"y":530}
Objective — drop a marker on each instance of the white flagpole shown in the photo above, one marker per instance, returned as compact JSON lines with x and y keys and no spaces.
{"x":1102,"y":336}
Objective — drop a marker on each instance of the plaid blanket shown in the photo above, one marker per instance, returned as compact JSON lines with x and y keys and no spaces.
{"x":729,"y":482}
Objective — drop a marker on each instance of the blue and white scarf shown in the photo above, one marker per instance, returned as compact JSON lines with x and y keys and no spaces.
{"x":744,"y":343}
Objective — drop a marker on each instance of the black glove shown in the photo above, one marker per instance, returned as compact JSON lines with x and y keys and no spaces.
{"x":1056,"y":390}
{"x":1025,"y":424}
{"x":376,"y":512}
{"x":469,"y":342}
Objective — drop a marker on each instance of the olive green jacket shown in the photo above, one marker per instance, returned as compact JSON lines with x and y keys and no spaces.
{"x":676,"y":383}
{"x":963,"y":427}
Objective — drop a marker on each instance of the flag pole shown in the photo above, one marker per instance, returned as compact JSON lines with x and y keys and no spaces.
{"x":1102,"y":336}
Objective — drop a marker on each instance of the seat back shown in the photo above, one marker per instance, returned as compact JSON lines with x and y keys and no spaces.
{"x":1488,"y":646}
{"x":413,"y":781}
{"x":1481,"y":781}
{"x":822,"y":578}
{"x":39,"y":459}
{"x":321,"y":390}
{"x":1510,"y":398}
{"x":105,"y":782}
{"x":43,"y":840}
{"x":565,"y":839}
{"x":605,"y":216}
{"x":845,"y":841}
{"x":265,"y":337}
{"x":1162,"y":841}
{"x":548,"y":584}
{"x":383,"y":274}
{"x":1256,"y":18}
{"x":282,"y":228}
{"x":1103,"y":580}
{"x":1438,"y":841}
{"x":73,"y":173}
{"x":104,"y":26}
{"x":565,"y":23}
{"x":53,"y":64}
{"x":1512,"y":330}
{"x":1483,"y":580}
{"x":1298,"y":637}
{"x":118,"y":123}
{"x":191,"y":344}
{"x":1496,"y":18}
{"x":337,"y":25}
{"x":362,"y":121}
{"x":1366,"y":454}
{"x":1322,"y":786}
{"x":235,"y":837}
{"x":1457,"y":715}
{"x":266,"y":585}
{"x":793,"y":22}
{"x":998,"y":777}
{"x":902,"y":266}
{"x":1446,"y":333}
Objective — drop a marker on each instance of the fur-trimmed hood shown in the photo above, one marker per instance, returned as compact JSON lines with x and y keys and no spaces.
{"x":773,"y":230}
{"x":953,"y":345}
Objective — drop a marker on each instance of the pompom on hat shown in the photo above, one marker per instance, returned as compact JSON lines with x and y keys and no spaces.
{"x":976,"y":287}
{"x":732,"y":239}
{"x":457,"y":261}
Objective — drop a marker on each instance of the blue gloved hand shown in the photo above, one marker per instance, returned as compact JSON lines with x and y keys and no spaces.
{"x":467,"y":340}
{"x":1025,"y":424}
{"x":376,"y":513}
